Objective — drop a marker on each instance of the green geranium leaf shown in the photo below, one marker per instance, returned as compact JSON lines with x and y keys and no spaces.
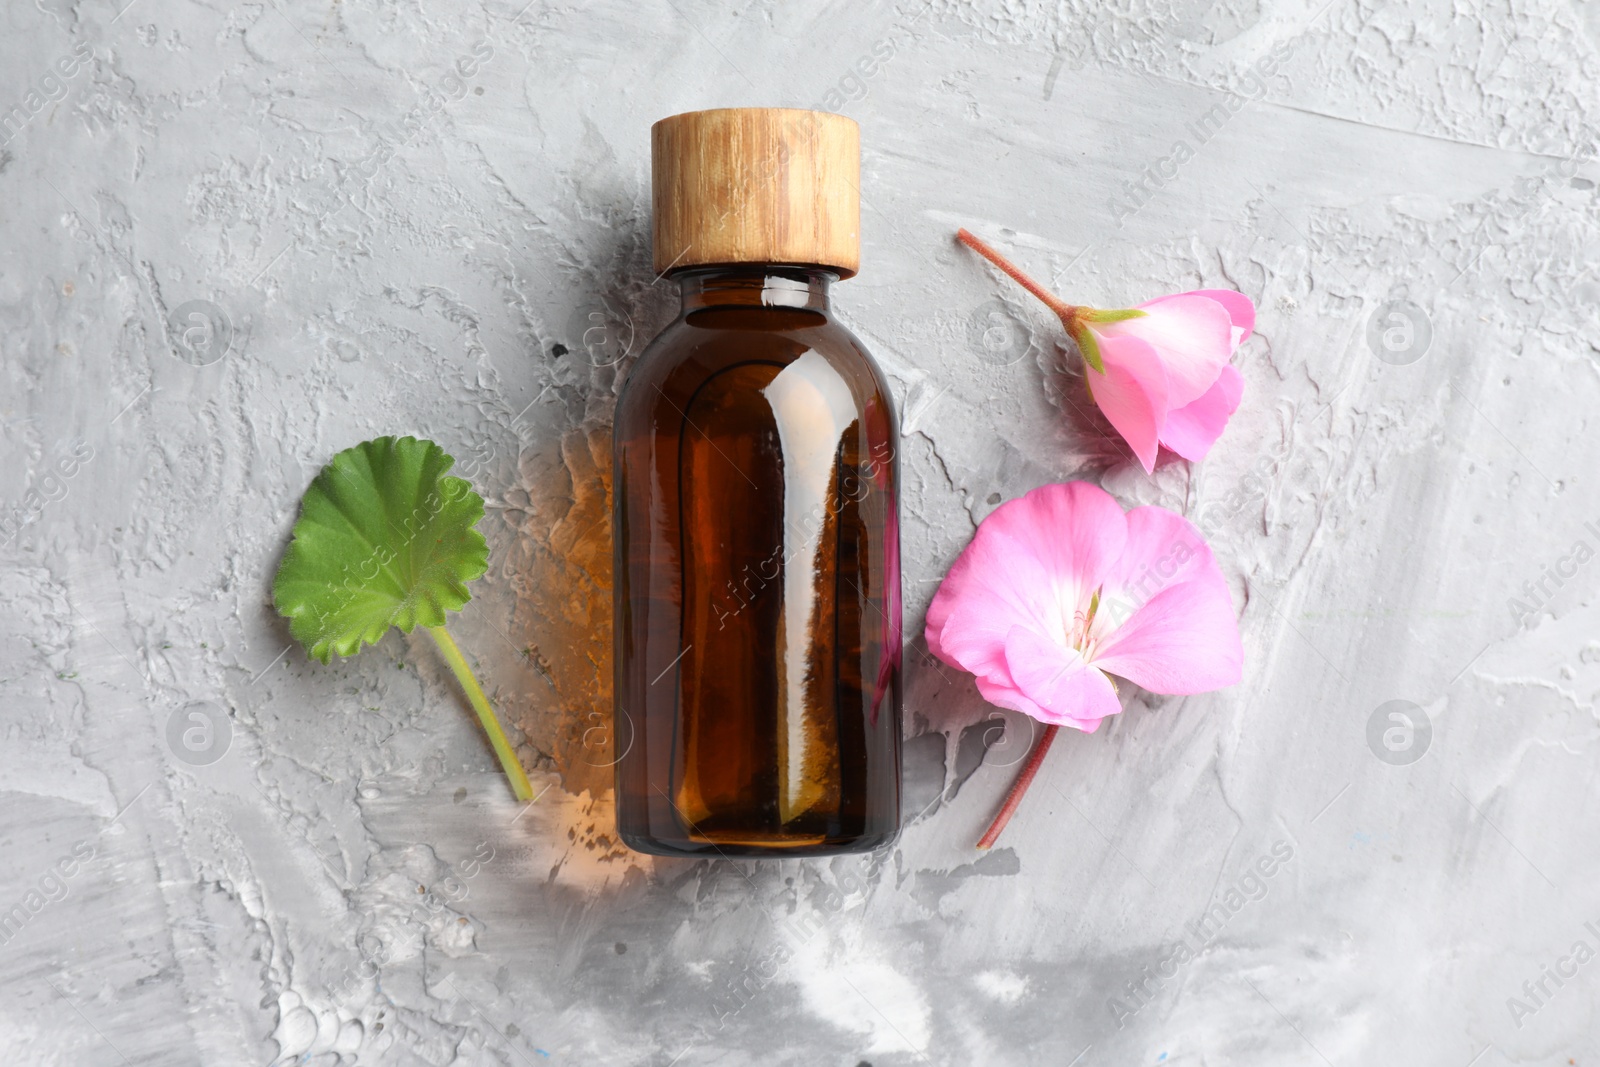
{"x":384,"y":539}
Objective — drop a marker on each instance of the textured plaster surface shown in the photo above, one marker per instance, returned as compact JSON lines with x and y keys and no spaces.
{"x":387,"y":245}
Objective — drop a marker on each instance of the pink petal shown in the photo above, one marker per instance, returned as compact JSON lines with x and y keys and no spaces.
{"x":989,"y":586}
{"x":1076,"y":530}
{"x":1132,"y":393}
{"x":1191,"y":430}
{"x":1034,"y":561}
{"x":1067,"y":690}
{"x":1003,"y":693}
{"x":1240,"y":309}
{"x":976,"y":620}
{"x":1184,"y":640}
{"x":1162,"y":549}
{"x":1192,"y":335}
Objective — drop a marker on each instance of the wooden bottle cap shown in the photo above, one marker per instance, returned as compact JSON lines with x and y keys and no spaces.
{"x":756,"y":185}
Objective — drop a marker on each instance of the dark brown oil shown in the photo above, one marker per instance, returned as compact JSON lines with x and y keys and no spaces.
{"x":757,"y":581}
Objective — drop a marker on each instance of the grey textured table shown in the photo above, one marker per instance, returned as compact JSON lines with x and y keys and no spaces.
{"x":240,"y":237}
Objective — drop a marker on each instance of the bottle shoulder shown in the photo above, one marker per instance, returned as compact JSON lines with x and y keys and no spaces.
{"x":696,"y":348}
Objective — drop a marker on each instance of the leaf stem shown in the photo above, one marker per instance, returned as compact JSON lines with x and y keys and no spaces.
{"x":1067,"y":312}
{"x":1018,"y":788}
{"x":1074,"y":319}
{"x":480,"y":704}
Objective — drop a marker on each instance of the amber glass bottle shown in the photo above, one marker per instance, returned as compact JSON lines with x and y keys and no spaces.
{"x":757,"y":580}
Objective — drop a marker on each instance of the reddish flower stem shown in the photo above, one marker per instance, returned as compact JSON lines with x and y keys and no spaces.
{"x":1068,"y":313}
{"x":1020,"y":786}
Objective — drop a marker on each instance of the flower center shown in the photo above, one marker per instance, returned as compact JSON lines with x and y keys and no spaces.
{"x":1080,"y":631}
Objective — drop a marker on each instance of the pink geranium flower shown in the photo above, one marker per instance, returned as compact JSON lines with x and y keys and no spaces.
{"x":1160,"y":371}
{"x":1061,"y":590}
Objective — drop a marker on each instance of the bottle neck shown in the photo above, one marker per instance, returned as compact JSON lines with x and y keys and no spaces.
{"x":756,"y":285}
